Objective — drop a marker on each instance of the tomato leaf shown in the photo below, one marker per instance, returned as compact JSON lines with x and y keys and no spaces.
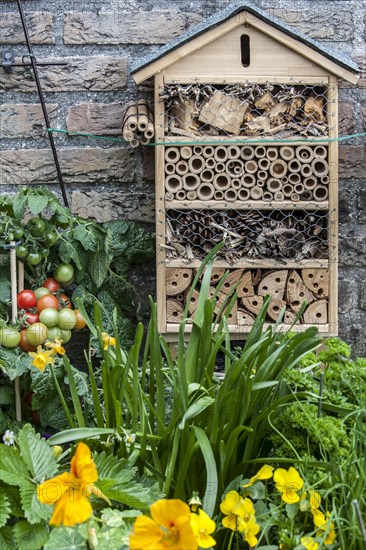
{"x":37,"y":203}
{"x":98,"y":268}
{"x":85,"y":237}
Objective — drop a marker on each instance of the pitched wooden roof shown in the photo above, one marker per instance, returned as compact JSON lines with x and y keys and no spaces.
{"x":336,"y":62}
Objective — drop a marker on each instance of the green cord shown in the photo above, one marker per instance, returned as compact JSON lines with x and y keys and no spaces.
{"x":206,"y":142}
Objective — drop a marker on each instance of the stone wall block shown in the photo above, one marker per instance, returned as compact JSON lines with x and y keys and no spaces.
{"x":95,"y":73}
{"x":122,"y":27}
{"x":362,"y":206}
{"x":148,"y":163}
{"x":25,"y":120}
{"x":352,"y":248}
{"x":40,"y":27}
{"x":319,"y":22}
{"x":91,"y":165}
{"x":352,"y":161}
{"x":346,"y":118}
{"x":96,"y":118}
{"x":127,"y":204}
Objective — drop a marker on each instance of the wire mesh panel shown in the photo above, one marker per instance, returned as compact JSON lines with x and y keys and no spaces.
{"x":247,"y":172}
{"x":246,"y":109}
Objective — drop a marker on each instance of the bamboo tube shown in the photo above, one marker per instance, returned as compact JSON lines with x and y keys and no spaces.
{"x":299,"y":188}
{"x":182,"y":167}
{"x":191,"y":195}
{"x":197,"y":150}
{"x":320,"y":167}
{"x":295,"y":197}
{"x":14,"y":316}
{"x":306,"y":170}
{"x":220,"y":153}
{"x":272,"y":153}
{"x":207,"y":175}
{"x":210,"y":162}
{"x":128,"y":135}
{"x":219,"y":195}
{"x":278,"y":168}
{"x":307,"y":195}
{"x":287,"y":190}
{"x":169,"y":196}
{"x":267,"y":196}
{"x":230,"y":195}
{"x":208,"y":152}
{"x":236,"y":183}
{"x":260,"y":183}
{"x":320,"y":152}
{"x":130,"y":118}
{"x":190,"y":182}
{"x":247,"y":152}
{"x":186,"y":152}
{"x":274,"y":185}
{"x":262,"y":175}
{"x":220,"y":167}
{"x":304,"y":153}
{"x":256,"y":192}
{"x":248,"y":180}
{"x":251,"y":166}
{"x":172,"y":154}
{"x":142,"y":115}
{"x":233,"y":152}
{"x":325,"y":180}
{"x":284,"y":179}
{"x":196,"y":164}
{"x":243,"y":194}
{"x":287,"y":153}
{"x":181,"y":195}
{"x":144,"y":140}
{"x":20,"y":276}
{"x":320,"y":193}
{"x":221,"y":182}
{"x":149,"y":132}
{"x":260,"y":151}
{"x":169,"y":168}
{"x":310,"y":183}
{"x":235,"y":167}
{"x":279,"y":196}
{"x":173,"y":183}
{"x":294,"y":165}
{"x":134,"y":143}
{"x":294,"y":178}
{"x":264,"y":164}
{"x":205,"y":192}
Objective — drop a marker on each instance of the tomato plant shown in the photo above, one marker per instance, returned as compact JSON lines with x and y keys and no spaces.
{"x":64,"y":273}
{"x":9,"y":337}
{"x":51,"y":284}
{"x":49,"y":317}
{"x":53,"y":333}
{"x":67,"y":319}
{"x":64,"y":301}
{"x":36,"y":227}
{"x":26,"y":299}
{"x":65,"y":335}
{"x":33,"y":258}
{"x":24,"y":344}
{"x":47,"y":301}
{"x":41,"y":291}
{"x":30,"y":318}
{"x":80,"y":321}
{"x":36,"y":334}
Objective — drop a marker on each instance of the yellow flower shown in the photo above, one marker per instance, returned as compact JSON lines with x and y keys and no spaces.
{"x":203,"y":526}
{"x":314,"y":500}
{"x":107,"y":340}
{"x":266,"y":472}
{"x":56,"y":347}
{"x":169,"y":527}
{"x":70,"y":491}
{"x":195,"y":502}
{"x":324,"y":524}
{"x":249,"y":529}
{"x":288,"y":483}
{"x":41,"y":358}
{"x":236,"y":508}
{"x":309,"y":543}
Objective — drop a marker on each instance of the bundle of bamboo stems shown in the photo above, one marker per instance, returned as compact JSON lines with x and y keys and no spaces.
{"x":138,"y":123}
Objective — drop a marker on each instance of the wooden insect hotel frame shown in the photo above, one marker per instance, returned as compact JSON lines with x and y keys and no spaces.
{"x":246,"y":128}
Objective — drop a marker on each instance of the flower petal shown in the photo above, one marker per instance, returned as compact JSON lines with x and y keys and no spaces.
{"x":53,"y":489}
{"x":82,"y":465}
{"x":231,"y":501}
{"x":165,"y":512}
{"x":72,"y":508}
{"x":146,"y":535}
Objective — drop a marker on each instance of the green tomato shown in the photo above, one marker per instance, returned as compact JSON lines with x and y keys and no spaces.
{"x":53,"y":333}
{"x":18,"y":232}
{"x":9,"y":337}
{"x":36,"y":227}
{"x":63,"y":273}
{"x":67,"y":319}
{"x":34,"y":258}
{"x":65,"y":335}
{"x":41,"y":291}
{"x":49,"y":317}
{"x":22,"y":251}
{"x":44,"y":252}
{"x":50,"y":238}
{"x":36,"y":334}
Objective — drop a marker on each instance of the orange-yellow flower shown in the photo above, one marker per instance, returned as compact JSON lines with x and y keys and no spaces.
{"x":107,"y":340}
{"x":41,"y":358}
{"x":324,"y":524}
{"x":235,"y":509}
{"x":203,"y":527}
{"x":169,"y":527}
{"x":249,"y":529}
{"x":266,"y":472}
{"x":288,"y":483}
{"x":70,"y":491}
{"x":56,"y":347}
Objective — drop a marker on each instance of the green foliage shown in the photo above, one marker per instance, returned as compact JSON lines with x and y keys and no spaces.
{"x":14,"y":363}
{"x":4,"y":509}
{"x":37,"y":455}
{"x":30,"y":536}
{"x":65,"y":538}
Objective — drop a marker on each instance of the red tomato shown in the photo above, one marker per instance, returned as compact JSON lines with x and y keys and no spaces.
{"x":24,"y":344}
{"x":64,"y":301}
{"x":51,"y":284}
{"x":80,"y":321}
{"x":48,"y":300}
{"x":31,"y":318}
{"x":26,"y":299}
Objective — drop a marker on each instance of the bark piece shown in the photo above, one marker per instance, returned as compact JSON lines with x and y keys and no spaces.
{"x":317,"y":280}
{"x":177,"y":280}
{"x":245,"y":287}
{"x":297,"y":292}
{"x":274,"y":284}
{"x":223,"y":112}
{"x":244,"y":317}
{"x":253,"y":303}
{"x":174,"y":311}
{"x":317,"y":313}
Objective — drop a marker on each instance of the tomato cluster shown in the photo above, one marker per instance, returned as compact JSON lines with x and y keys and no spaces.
{"x":45,"y":314}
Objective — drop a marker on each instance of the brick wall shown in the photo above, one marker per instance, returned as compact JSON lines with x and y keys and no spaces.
{"x":105,"y":180}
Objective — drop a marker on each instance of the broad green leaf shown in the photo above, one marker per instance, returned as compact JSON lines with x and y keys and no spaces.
{"x":13,"y":363}
{"x":115,"y":538}
{"x":13,"y":495}
{"x":19,"y":205}
{"x":133,"y":495}
{"x":37,"y":454}
{"x":196,"y":408}
{"x":6,"y":395}
{"x":34,"y":510}
{"x":78,"y":433}
{"x":5,"y":289}
{"x":37,"y":203}
{"x":4,"y":509}
{"x":98,"y":268}
{"x":30,"y":537}
{"x":13,"y":469}
{"x":7,"y":541}
{"x":85,"y":237}
{"x":65,"y":538}
{"x":112,"y":467}
{"x":115,"y":518}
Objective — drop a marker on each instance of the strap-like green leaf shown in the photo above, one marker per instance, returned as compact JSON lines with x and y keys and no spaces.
{"x":210,"y":497}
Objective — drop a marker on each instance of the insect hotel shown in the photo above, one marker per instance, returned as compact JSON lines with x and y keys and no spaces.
{"x":246,"y":129}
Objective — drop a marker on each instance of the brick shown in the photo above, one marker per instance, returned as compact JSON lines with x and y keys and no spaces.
{"x":22,"y":120}
{"x":352,"y":161}
{"x":40,"y":27}
{"x":96,"y":118}
{"x":91,"y":165}
{"x":127,"y":204}
{"x":353,"y":248}
{"x":94,"y":73}
{"x":362,"y":206}
{"x":148,"y":163}
{"x":122,"y":27}
{"x":346,"y":118}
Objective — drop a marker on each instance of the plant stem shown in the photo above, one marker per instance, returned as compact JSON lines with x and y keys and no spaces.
{"x":62,"y":399}
{"x":231,"y":540}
